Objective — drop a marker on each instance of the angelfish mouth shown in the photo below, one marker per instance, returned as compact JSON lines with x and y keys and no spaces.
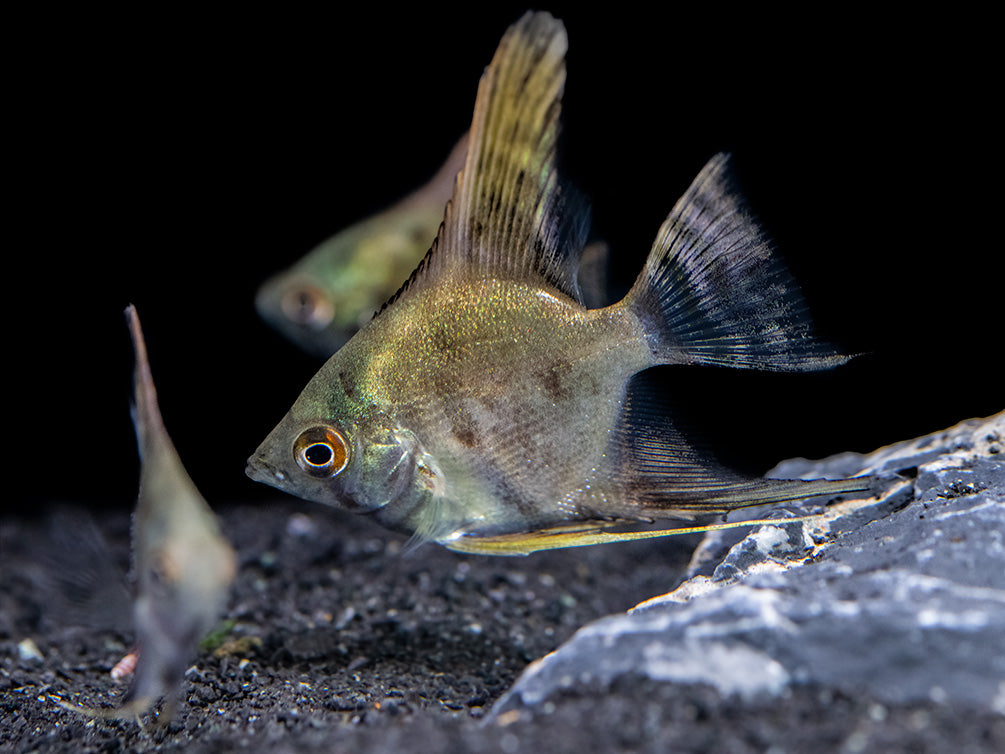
{"x":260,"y":471}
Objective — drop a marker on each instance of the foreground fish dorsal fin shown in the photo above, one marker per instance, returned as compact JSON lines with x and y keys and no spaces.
{"x":162,"y":468}
{"x":170,"y":507}
{"x":510,"y":216}
{"x":718,"y":293}
{"x":183,"y":563}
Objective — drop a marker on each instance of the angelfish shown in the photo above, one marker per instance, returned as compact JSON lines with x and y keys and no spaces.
{"x":485,"y":408}
{"x":329,"y":294}
{"x":182,"y":564}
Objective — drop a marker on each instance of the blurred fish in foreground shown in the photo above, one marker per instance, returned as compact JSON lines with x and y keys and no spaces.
{"x":182,"y":564}
{"x":333,"y":291}
{"x":486,"y":408}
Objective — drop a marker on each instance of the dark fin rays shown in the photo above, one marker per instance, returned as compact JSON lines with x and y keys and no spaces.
{"x":510,"y":216}
{"x":713,"y":292}
{"x":661,"y":472}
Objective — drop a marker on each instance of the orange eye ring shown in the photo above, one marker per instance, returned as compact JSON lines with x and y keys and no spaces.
{"x":321,"y":452}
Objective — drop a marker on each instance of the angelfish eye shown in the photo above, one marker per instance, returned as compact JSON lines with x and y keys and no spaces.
{"x":306,"y":304}
{"x":321,"y":451}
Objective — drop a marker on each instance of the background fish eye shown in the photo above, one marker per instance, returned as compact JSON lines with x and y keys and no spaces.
{"x":321,"y":452}
{"x":306,"y":305}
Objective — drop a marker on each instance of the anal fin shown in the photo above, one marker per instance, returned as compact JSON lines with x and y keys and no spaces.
{"x":660,"y":471}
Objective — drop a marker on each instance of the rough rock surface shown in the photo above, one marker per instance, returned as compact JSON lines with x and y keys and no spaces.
{"x":901,"y":597}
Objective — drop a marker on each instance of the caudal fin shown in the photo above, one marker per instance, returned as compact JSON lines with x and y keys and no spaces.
{"x":713,"y":292}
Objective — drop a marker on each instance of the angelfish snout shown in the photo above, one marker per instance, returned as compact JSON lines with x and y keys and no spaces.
{"x":260,"y":471}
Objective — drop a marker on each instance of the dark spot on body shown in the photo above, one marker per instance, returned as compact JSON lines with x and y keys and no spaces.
{"x":347,"y":385}
{"x":463,"y":425}
{"x":555,"y":381}
{"x":465,"y":436}
{"x":446,"y":386}
{"x":441,"y":339}
{"x":552,"y":384}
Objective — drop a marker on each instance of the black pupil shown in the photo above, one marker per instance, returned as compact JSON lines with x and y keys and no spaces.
{"x":306,"y":301}
{"x":318,"y":454}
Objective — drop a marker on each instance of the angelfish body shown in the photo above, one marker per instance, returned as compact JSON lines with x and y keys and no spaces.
{"x":461,"y":419}
{"x":486,"y":401}
{"x":182,"y":563}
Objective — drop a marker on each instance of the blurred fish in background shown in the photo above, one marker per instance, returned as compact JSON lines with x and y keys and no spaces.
{"x":333,"y":291}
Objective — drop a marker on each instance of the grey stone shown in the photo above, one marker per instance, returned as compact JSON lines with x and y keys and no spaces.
{"x":901,"y":596}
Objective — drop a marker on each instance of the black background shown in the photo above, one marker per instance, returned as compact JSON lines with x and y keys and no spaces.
{"x":176,"y":161}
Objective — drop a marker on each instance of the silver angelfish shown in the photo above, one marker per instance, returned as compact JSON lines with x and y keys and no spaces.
{"x":486,"y":408}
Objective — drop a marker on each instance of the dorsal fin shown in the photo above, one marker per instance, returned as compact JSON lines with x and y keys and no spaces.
{"x":510,"y":217}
